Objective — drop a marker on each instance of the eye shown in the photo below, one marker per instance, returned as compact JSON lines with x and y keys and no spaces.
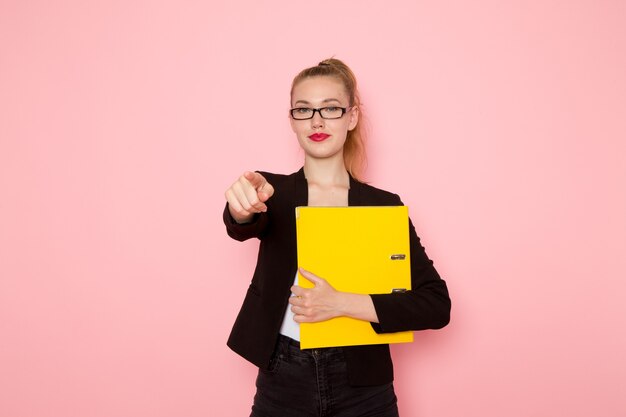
{"x":302,"y":110}
{"x":332,"y":109}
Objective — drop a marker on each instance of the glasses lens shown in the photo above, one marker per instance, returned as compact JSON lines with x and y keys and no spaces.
{"x":301,"y":113}
{"x":332,"y":112}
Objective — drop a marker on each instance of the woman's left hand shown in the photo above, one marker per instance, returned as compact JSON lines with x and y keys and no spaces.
{"x":310,"y":305}
{"x":323,"y":302}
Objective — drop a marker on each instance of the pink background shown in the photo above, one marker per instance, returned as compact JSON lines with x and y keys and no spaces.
{"x":501,"y":125}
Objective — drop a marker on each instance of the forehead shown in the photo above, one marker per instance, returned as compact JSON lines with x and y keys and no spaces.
{"x":319,"y":89}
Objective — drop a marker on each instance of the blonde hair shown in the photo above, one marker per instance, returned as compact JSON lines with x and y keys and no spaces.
{"x":354,"y":156}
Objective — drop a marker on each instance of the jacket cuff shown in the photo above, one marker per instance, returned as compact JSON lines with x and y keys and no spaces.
{"x":231,"y":222}
{"x":382,"y":304}
{"x":243,"y":231}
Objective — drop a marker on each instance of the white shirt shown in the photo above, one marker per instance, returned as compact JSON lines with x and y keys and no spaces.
{"x":289,"y":327}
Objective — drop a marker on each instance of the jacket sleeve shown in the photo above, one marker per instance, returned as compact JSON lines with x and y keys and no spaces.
{"x":245,"y":231}
{"x":425,"y":306}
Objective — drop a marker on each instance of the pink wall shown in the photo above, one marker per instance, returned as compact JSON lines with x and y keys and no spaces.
{"x":501,"y":124}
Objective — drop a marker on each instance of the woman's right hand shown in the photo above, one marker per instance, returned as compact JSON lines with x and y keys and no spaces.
{"x":247,"y":196}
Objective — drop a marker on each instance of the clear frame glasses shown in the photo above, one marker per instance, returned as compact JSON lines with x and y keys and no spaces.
{"x":306,"y":113}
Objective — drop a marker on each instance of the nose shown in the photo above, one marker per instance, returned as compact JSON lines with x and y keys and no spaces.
{"x":317,"y":121}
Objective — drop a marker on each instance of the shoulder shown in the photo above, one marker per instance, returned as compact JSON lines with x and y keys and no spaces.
{"x":374,"y":195}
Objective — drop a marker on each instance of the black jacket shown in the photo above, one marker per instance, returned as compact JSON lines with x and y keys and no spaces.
{"x":254,"y":334}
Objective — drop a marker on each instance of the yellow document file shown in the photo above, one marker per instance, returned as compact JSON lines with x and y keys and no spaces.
{"x":361,"y":250}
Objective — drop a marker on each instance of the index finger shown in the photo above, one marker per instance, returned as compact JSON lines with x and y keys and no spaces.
{"x":256,"y":180}
{"x":297,"y":290}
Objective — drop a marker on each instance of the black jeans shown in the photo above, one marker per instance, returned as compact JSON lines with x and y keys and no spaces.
{"x":313,"y":382}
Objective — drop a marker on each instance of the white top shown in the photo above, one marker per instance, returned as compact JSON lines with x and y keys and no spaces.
{"x":289,"y":327}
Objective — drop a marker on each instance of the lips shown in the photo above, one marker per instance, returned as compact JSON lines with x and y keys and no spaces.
{"x":318,"y":137}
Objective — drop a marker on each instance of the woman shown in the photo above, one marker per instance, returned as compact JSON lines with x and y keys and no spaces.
{"x":349,"y":381}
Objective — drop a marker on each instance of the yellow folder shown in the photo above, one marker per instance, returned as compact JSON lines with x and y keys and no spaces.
{"x":361,"y":250}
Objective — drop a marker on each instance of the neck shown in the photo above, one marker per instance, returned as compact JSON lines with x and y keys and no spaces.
{"x":327,"y":171}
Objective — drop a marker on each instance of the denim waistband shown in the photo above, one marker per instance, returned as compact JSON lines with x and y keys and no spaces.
{"x":287,"y":344}
{"x":287,"y":341}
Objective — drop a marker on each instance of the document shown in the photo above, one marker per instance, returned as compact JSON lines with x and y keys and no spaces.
{"x":362,"y":250}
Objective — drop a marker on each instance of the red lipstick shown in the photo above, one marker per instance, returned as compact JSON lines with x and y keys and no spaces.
{"x":318,"y":137}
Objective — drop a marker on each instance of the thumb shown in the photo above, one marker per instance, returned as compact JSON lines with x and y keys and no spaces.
{"x":265,"y":192}
{"x":311,"y":276}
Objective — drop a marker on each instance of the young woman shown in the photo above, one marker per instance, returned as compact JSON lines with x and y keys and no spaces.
{"x":348,"y":381}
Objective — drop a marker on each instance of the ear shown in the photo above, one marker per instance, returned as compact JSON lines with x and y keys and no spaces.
{"x":354,"y":118}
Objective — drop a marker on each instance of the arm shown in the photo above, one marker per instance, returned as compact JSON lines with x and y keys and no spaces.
{"x":323,"y":302}
{"x":425,"y":306}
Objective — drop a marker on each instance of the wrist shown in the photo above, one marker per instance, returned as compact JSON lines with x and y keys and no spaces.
{"x":358,"y":306}
{"x":344,"y":304}
{"x":238,"y":219}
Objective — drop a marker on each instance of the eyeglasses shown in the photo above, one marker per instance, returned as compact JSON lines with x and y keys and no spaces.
{"x":305,"y":113}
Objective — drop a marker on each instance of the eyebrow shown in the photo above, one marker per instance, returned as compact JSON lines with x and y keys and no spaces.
{"x":328,"y":100}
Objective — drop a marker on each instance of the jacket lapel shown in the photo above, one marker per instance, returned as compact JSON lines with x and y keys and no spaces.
{"x":355,"y":196}
{"x":301,"y":189}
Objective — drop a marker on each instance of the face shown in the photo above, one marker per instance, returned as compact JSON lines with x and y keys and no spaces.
{"x":318,"y":137}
